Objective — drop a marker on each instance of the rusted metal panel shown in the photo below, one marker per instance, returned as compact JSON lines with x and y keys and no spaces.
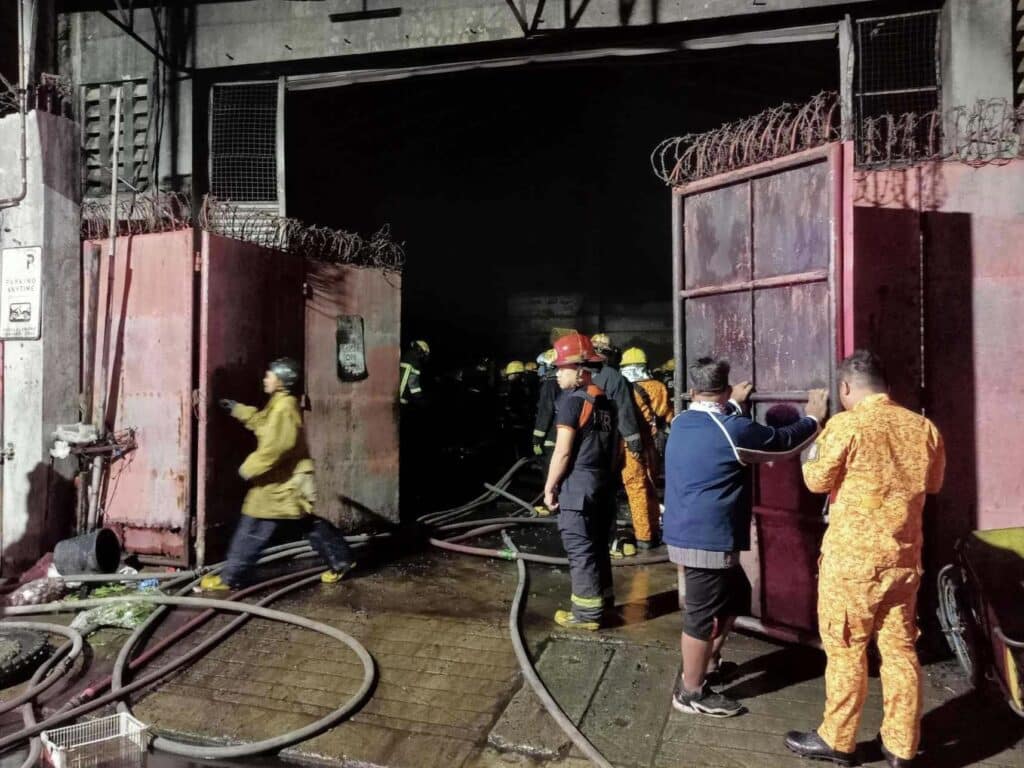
{"x":251,"y":312}
{"x":792,"y":342}
{"x":149,"y":351}
{"x":717,"y":237}
{"x":353,"y":425}
{"x":722,"y":326}
{"x":791,"y":221}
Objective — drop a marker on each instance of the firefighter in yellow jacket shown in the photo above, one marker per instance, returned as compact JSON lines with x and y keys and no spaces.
{"x":655,"y":412}
{"x":877,"y":461}
{"x":281,"y":473}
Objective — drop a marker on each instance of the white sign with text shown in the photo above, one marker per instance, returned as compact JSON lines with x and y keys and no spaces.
{"x":21,"y":293}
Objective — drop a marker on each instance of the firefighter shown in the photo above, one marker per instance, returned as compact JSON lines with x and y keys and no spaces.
{"x":514,"y":409}
{"x":544,"y":430}
{"x":281,"y":474}
{"x":655,"y":411}
{"x":877,"y":461}
{"x":531,"y":376}
{"x":410,"y":386}
{"x":580,"y":481}
{"x":619,"y":392}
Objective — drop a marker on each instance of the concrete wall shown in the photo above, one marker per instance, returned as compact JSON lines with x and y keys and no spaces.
{"x":41,"y":377}
{"x":970,"y":222}
{"x":977,"y":51}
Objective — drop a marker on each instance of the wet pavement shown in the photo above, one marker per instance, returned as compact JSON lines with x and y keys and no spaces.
{"x":449,"y":692}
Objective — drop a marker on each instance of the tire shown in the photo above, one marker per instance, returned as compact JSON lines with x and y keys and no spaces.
{"x":24,"y":650}
{"x":956,"y":619}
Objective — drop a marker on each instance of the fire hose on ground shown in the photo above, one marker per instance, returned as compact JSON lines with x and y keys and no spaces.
{"x":90,"y":699}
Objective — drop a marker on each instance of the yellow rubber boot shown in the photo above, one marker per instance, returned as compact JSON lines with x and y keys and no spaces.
{"x":333,"y":577}
{"x":568,"y":620}
{"x":212,"y":582}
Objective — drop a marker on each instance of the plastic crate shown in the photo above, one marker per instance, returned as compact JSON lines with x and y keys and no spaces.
{"x":118,"y":741}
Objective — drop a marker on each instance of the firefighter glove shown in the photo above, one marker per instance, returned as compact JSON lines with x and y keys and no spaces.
{"x":538,"y":448}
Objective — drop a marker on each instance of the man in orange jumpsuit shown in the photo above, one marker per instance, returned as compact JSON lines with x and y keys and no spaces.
{"x":655,"y":412}
{"x":877,"y":461}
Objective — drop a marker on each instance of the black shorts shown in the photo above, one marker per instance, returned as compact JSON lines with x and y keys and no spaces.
{"x":713,"y":593}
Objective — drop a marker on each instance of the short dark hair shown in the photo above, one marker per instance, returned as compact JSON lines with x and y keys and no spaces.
{"x":864,"y":367}
{"x":709,"y":374}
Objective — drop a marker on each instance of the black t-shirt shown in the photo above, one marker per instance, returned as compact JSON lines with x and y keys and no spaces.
{"x":589,"y":413}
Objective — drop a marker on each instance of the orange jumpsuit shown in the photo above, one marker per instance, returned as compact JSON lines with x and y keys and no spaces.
{"x":877,"y":462}
{"x":637,"y":478}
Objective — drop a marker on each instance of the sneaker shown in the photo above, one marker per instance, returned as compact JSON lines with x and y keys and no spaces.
{"x":335,"y":575}
{"x":703,"y":702}
{"x":212,"y":582}
{"x":569,"y":620}
{"x":621,"y":548}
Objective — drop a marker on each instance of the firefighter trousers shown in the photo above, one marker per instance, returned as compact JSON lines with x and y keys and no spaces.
{"x":643,"y":500}
{"x":855,"y":603}
{"x":253,"y":534}
{"x":585,"y":538}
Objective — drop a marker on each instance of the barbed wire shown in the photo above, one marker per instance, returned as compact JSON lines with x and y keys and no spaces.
{"x":990,"y":131}
{"x":147,"y":213}
{"x":775,"y":132}
{"x":270,"y":230}
{"x":140,"y":214}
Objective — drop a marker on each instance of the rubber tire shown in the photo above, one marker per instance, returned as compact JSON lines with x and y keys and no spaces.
{"x":956,"y":619}
{"x":35,"y":648}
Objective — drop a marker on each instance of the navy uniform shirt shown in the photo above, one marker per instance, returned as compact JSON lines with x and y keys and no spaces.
{"x":589,"y":476}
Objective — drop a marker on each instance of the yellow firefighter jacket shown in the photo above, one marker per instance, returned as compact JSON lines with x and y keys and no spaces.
{"x":280,"y":469}
{"x":877,"y":462}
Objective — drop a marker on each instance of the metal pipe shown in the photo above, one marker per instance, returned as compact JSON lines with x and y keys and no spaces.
{"x":779,"y":281}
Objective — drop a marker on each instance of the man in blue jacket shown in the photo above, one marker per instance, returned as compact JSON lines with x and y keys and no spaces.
{"x":708,"y":508}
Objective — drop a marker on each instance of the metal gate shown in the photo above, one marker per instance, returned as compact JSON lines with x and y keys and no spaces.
{"x":146,"y":305}
{"x":253,"y":310}
{"x":755,"y":266}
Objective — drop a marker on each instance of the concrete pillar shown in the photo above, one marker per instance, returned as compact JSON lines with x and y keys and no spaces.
{"x":40,"y":376}
{"x":976,"y":51}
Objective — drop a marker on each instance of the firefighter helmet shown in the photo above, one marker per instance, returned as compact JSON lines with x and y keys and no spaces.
{"x":634,"y":356}
{"x":575,"y":349}
{"x":602,"y":342}
{"x":670,"y":365}
{"x":514,"y":367}
{"x":422,"y":346}
{"x":287,"y":370}
{"x":531,"y":367}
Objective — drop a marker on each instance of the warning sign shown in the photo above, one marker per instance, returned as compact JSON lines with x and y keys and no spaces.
{"x":21,"y":290}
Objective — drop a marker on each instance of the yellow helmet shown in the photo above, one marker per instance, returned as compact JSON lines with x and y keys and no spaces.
{"x":634,"y":356}
{"x":670,"y":365}
{"x":548,"y":356}
{"x":531,"y":366}
{"x":515,"y":366}
{"x":423,"y":346}
{"x":601,"y":341}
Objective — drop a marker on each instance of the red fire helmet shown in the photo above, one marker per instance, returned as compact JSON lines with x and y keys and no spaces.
{"x":575,"y":349}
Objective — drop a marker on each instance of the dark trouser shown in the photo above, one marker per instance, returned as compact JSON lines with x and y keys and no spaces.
{"x":585,"y":538}
{"x":253,"y":533}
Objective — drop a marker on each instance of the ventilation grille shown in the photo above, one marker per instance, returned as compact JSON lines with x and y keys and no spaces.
{"x":98,"y":111}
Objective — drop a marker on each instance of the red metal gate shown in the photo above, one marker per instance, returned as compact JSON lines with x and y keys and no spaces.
{"x":756,"y":262}
{"x":252,"y":312}
{"x":148,"y":353}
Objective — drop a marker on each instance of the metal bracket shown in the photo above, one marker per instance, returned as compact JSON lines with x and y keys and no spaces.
{"x":7,"y":454}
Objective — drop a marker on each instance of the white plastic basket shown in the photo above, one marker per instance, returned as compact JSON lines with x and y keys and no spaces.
{"x":118,"y":741}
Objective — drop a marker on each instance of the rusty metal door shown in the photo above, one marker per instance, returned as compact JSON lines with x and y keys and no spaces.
{"x":755,"y":265}
{"x":252,"y":311}
{"x":148,"y":352}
